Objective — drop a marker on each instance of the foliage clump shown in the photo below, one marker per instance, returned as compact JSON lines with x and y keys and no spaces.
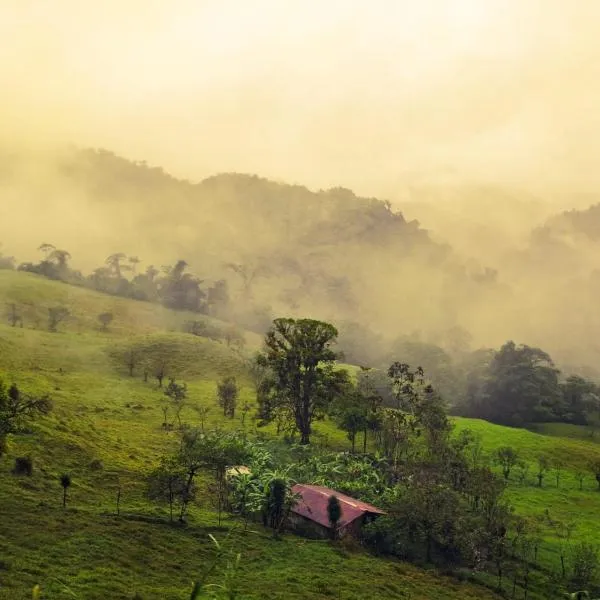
{"x":23,"y":466}
{"x":17,"y":409}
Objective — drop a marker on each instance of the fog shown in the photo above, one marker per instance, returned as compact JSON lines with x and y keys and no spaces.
{"x":477,"y":118}
{"x":370,"y":95}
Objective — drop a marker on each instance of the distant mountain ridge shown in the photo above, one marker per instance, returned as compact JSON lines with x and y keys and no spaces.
{"x":286,"y":250}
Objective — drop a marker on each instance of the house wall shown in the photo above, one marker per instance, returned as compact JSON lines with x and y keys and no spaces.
{"x":313,"y":530}
{"x":306,"y":527}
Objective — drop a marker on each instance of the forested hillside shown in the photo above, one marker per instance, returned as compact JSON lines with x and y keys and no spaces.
{"x":89,"y":414}
{"x":281,"y":247}
{"x":274,"y":249}
{"x":96,"y":412}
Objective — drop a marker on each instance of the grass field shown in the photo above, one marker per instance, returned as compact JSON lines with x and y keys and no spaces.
{"x":552,"y":506}
{"x":103,"y":414}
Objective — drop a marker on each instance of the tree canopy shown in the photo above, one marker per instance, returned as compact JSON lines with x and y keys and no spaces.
{"x":519,"y":386}
{"x":301,"y":360}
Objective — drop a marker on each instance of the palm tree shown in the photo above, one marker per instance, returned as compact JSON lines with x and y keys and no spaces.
{"x":114,"y":263}
{"x":151,"y":273}
{"x":177,"y":272}
{"x":65,"y":481}
{"x":247,"y":274}
{"x":134,"y":261}
{"x":46,"y":249}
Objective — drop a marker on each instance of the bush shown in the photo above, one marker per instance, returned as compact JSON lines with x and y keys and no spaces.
{"x":23,"y":466}
{"x":204,"y":329}
{"x":96,"y":465}
{"x":584,"y":560}
{"x":7,"y":262}
{"x":378,"y":535}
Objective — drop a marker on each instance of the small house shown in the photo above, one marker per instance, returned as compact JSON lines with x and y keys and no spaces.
{"x":310,"y":517}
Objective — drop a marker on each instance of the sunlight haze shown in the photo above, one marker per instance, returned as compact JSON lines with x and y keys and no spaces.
{"x":368,"y":95}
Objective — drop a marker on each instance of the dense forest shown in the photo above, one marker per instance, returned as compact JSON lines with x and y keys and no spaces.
{"x":514,"y":385}
{"x":283,"y":249}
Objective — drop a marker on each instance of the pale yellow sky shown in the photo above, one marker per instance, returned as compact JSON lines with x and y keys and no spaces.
{"x":365,"y":94}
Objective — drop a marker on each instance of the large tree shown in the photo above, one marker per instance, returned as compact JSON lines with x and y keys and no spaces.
{"x":115,"y":264}
{"x":441,"y":370}
{"x":215,"y":451}
{"x":17,"y":409}
{"x":60,"y":258}
{"x":227,"y":395}
{"x":581,"y":400}
{"x":520,"y":385}
{"x":180,"y":290}
{"x":299,"y":354}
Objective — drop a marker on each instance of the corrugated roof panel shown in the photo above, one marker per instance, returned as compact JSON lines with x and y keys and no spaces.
{"x":313,"y":505}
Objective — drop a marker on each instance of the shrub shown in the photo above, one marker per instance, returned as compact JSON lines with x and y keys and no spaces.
{"x":23,"y":466}
{"x":105,"y":319}
{"x":96,"y":465}
{"x":204,"y":329}
{"x":584,"y":559}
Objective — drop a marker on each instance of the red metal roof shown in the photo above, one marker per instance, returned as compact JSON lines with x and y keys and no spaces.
{"x":313,"y":505}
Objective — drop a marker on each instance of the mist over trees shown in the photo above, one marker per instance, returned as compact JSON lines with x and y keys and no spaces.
{"x":520,"y":385}
{"x":308,"y":257}
{"x":390,"y":286}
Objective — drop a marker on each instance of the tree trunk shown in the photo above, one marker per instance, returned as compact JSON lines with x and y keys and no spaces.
{"x":305,"y":437}
{"x":219,"y":507}
{"x":186,"y":493}
{"x":365,"y":440}
{"x":353,"y":440}
{"x":220,"y":490}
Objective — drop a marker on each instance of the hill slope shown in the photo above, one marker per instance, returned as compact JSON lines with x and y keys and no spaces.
{"x":102,"y":414}
{"x":327,"y":253}
{"x":284,"y":249}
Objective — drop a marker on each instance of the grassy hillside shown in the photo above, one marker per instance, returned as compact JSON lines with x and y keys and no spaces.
{"x":34,"y":295}
{"x":326,"y":253}
{"x":552,"y":506}
{"x":105,"y":430}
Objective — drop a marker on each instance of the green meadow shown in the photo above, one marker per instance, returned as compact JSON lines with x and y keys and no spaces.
{"x":105,"y":431}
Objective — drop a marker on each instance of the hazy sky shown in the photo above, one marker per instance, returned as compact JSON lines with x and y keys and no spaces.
{"x":323,"y":92}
